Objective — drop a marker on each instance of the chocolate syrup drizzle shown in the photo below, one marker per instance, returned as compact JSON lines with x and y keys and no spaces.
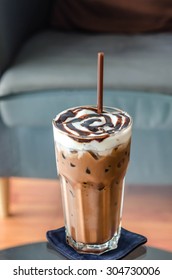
{"x":88,"y":120}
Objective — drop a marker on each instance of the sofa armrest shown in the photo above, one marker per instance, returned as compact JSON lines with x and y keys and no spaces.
{"x":18,"y":20}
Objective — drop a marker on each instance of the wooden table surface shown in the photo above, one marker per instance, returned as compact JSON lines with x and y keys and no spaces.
{"x":35,"y":207}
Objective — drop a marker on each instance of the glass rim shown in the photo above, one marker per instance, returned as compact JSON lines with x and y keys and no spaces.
{"x":91,"y":137}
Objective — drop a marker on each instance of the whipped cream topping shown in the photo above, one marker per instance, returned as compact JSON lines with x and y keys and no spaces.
{"x":83,"y":128}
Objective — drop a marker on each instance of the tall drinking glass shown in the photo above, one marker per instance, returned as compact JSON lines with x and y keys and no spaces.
{"x":92,"y":153}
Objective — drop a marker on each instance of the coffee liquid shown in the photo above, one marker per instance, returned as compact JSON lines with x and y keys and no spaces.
{"x":92,"y":152}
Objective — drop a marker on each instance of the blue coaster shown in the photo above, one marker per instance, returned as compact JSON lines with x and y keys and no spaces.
{"x":127,"y":243}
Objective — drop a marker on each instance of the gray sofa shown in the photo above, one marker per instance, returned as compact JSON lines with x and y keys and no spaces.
{"x":44,"y":71}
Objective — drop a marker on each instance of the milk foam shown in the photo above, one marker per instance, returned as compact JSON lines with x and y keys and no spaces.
{"x":85,"y":119}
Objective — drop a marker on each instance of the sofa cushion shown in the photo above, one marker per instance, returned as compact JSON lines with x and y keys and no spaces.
{"x":112,"y":15}
{"x":61,"y":60}
{"x":149,"y":111}
{"x":30,"y":138}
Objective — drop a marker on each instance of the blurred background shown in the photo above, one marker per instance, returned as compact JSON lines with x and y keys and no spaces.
{"x":48,"y":62}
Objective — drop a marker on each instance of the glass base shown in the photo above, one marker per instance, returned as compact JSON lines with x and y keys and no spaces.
{"x":97,"y":249}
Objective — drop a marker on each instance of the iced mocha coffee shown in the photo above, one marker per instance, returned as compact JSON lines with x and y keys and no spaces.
{"x":92,"y":152}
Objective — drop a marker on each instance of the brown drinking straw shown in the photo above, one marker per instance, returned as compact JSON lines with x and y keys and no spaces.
{"x":100,"y":82}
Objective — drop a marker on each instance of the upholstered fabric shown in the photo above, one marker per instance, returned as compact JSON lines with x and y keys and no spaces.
{"x":29,"y":152}
{"x":55,"y":70}
{"x":28,"y":142}
{"x":52,"y":60}
{"x":37,"y":109}
{"x":18,"y":20}
{"x":112,"y":15}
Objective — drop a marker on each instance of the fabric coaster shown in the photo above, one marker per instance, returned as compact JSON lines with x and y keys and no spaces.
{"x":128,"y":242}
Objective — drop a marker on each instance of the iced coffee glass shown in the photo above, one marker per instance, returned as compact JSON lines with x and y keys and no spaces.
{"x":92,"y":153}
